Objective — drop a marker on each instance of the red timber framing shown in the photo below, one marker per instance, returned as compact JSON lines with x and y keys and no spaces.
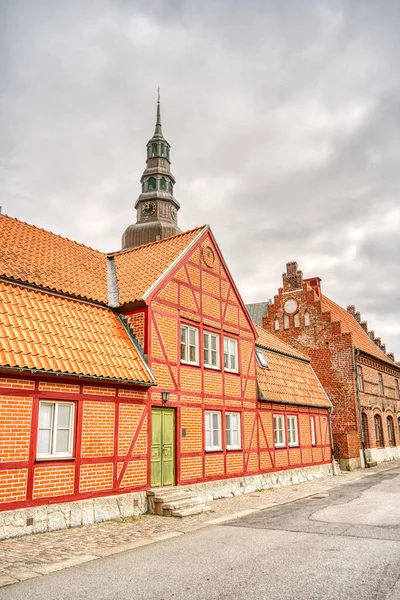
{"x":199,"y":292}
{"x":109,"y":442}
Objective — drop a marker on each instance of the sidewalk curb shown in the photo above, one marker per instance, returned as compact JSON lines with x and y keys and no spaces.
{"x":6,"y":580}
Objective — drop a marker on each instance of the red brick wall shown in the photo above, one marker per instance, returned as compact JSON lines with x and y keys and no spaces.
{"x":110,"y":436}
{"x":332,"y":356}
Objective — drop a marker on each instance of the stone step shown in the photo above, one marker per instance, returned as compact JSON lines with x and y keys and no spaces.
{"x":175,"y":496}
{"x":188,"y":512}
{"x":183,"y":503}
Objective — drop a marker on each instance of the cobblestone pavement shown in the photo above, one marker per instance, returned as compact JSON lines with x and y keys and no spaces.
{"x":35,"y":555}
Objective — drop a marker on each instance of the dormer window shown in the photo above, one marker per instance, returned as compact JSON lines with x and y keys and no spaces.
{"x":306,"y":319}
{"x":262,"y":361}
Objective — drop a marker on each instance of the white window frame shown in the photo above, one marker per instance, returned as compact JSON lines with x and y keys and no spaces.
{"x":237,"y":416}
{"x":279,"y":419}
{"x":188,"y":329}
{"x":208,"y":427}
{"x":276,"y":324}
{"x":306,"y":319}
{"x":286,"y":322}
{"x":54,"y":430}
{"x":293,"y":431}
{"x":313,"y":431}
{"x":229,"y":344}
{"x":262,"y":361}
{"x":208,"y":351}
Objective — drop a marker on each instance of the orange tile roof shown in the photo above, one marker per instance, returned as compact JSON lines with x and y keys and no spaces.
{"x":138,"y":269}
{"x":39,"y":257}
{"x":272,"y":342}
{"x":349,"y":325}
{"x":291,"y":381}
{"x":43,"y":331}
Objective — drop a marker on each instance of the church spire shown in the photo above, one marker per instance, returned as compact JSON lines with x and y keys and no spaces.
{"x":156,"y":206}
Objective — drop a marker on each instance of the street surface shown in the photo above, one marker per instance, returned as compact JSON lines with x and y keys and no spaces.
{"x":344,"y":544}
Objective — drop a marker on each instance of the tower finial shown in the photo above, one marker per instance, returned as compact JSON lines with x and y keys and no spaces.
{"x":158,"y":122}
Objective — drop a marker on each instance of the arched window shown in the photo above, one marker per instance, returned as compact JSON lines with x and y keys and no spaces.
{"x":390,"y":428}
{"x":364,"y":419}
{"x":306,"y":319}
{"x":163,"y":183}
{"x":276,"y":327}
{"x":285,"y":322}
{"x":162,"y":150}
{"x":154,"y":149}
{"x":167,"y":148}
{"x":151,"y":183}
{"x":378,"y":431}
{"x":297,"y":320}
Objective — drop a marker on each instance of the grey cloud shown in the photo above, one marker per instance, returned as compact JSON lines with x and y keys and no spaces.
{"x":283,"y":119}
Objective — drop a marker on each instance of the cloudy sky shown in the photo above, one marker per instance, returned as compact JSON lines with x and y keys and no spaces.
{"x":283,"y":117}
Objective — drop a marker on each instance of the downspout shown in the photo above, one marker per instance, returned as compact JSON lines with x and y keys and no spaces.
{"x":357,"y":353}
{"x":334,"y":469}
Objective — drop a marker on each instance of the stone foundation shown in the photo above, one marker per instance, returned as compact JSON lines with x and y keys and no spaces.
{"x":226,"y":488}
{"x":51,"y":517}
{"x":350,"y":464}
{"x":380,"y":455}
{"x":63,"y":515}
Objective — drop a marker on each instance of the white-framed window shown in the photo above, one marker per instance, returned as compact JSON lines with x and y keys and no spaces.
{"x":189,"y":345}
{"x":293,"y":431}
{"x":211,"y":350}
{"x":213,"y":430}
{"x":230,"y":354}
{"x":306,"y":319}
{"x":296,"y":320}
{"x":262,"y":361}
{"x":233,"y":439}
{"x":276,"y":324}
{"x":313,"y":433}
{"x":56,"y":429}
{"x":279,"y":431}
{"x":286,"y":323}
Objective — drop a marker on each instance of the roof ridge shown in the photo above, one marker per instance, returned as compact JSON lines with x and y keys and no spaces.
{"x":172,"y":237}
{"x":63,"y":237}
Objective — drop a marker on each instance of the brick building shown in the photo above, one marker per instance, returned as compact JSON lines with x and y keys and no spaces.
{"x":359,"y":376}
{"x":137,"y":369}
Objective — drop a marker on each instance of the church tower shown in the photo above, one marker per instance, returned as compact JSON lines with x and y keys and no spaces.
{"x":156,"y":206}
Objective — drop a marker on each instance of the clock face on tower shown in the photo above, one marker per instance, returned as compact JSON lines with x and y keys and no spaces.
{"x":148,"y":208}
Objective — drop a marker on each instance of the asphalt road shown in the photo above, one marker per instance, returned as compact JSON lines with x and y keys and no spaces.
{"x":342,"y":546}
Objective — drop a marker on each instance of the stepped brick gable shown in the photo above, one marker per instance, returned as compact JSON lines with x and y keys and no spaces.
{"x":350,"y":363}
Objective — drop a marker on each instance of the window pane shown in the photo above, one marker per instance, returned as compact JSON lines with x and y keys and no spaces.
{"x":208,"y":438}
{"x":64,"y":415}
{"x":206,"y":339}
{"x":62,"y":441}
{"x":214,"y":358}
{"x":215,"y":438}
{"x":44,"y":439}
{"x":215,"y":420}
{"x":192,"y":354}
{"x":213,"y":342}
{"x":45,"y":415}
{"x":192,"y":337}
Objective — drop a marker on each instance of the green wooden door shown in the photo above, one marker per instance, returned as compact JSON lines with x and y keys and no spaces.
{"x":163,"y":447}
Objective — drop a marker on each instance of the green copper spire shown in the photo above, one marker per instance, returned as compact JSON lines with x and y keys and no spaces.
{"x":158,"y":130}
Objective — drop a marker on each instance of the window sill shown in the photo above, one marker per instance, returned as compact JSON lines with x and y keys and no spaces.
{"x":234,"y":372}
{"x":52,"y":457}
{"x":190,"y":364}
{"x":280,"y":446}
{"x":233,"y":448}
{"x":213,"y":449}
{"x":212,"y":367}
{"x":294,"y":445}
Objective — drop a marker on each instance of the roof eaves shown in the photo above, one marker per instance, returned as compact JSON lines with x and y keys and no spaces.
{"x":75,"y":375}
{"x":294,"y":403}
{"x":384,"y":358}
{"x":175,"y":262}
